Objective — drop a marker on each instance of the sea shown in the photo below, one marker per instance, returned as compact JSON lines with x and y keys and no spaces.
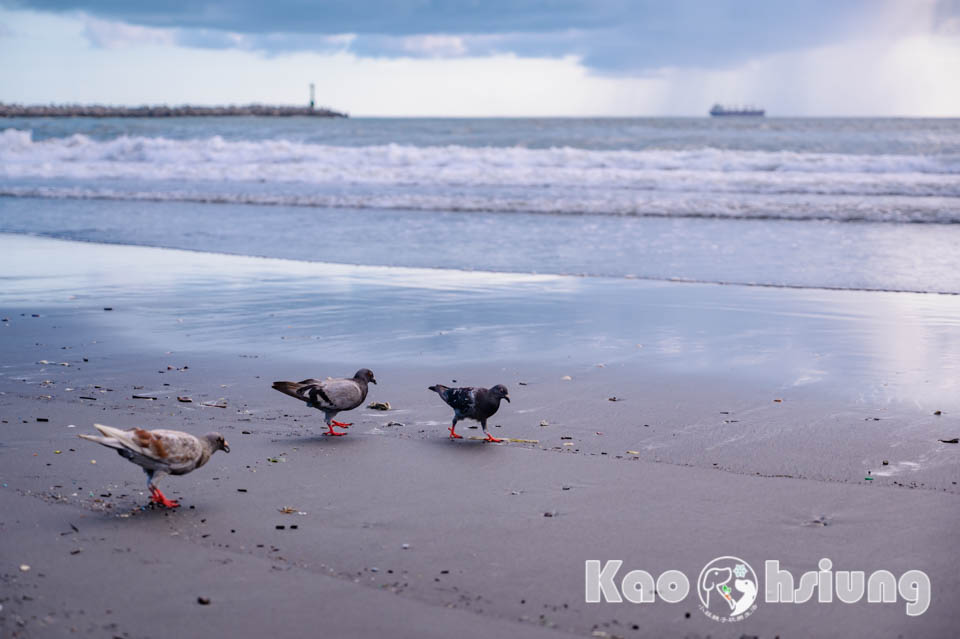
{"x":851,"y":203}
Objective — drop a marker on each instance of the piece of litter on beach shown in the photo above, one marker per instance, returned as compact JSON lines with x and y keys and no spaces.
{"x":287,"y":510}
{"x":85,"y":397}
{"x":955,"y":440}
{"x":614,"y":399}
{"x":938,"y":412}
{"x":42,"y":419}
{"x":522,"y":383}
{"x":778,"y":401}
{"x":185,"y":400}
{"x":93,"y":461}
{"x":135,"y":396}
{"x":213,"y":405}
{"x":405,"y":546}
{"x":522,"y":441}
{"x":379,"y":405}
{"x":885,"y":463}
{"x":868,"y":478}
{"x":568,"y":444}
{"x":24,"y":568}
{"x":56,"y":452}
{"x":566,"y":378}
{"x":543,"y":423}
{"x":395,"y":424}
{"x":633,"y":452}
{"x":203,"y":601}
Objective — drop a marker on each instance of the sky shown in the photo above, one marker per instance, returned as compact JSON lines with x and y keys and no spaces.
{"x":491,"y":57}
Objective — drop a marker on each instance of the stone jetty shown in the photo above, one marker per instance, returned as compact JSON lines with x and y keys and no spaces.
{"x":160,"y":111}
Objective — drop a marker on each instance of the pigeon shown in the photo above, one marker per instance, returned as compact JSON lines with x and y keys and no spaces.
{"x":472,"y":403}
{"x":160,"y":452}
{"x":331,"y":395}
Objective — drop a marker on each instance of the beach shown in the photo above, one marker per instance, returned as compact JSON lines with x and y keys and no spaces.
{"x":659,"y":423}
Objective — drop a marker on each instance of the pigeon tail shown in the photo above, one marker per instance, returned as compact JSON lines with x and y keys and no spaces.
{"x":288,"y":388}
{"x":111,"y":437}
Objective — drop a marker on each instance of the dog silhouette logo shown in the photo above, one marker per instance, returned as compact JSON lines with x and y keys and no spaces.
{"x":728,"y":589}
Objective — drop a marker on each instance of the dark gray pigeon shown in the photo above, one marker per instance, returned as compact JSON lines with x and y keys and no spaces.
{"x":330,"y":395}
{"x":160,"y":452}
{"x":472,"y":403}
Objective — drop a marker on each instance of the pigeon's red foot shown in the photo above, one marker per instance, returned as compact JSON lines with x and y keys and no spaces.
{"x":491,"y":438}
{"x":159,"y":498}
{"x":333,"y":432}
{"x":453,"y":435}
{"x":341,"y":424}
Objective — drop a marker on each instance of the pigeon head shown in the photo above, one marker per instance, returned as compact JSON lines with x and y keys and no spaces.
{"x":365,"y":374}
{"x":500,"y":392}
{"x":217,"y":442}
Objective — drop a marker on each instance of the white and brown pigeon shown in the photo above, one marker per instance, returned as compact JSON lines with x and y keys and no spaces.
{"x":160,"y":452}
{"x":331,"y":395}
{"x":472,"y":403}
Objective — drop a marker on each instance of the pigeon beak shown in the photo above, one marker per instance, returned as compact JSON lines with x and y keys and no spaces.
{"x":226,"y":447}
{"x":507,"y":397}
{"x":373,"y":381}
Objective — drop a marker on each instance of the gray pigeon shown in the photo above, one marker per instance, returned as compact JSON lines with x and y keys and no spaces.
{"x":160,"y":452}
{"x":472,"y":403}
{"x":330,"y":395}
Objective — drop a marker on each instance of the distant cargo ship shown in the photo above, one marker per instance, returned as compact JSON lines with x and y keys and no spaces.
{"x":719,"y":109}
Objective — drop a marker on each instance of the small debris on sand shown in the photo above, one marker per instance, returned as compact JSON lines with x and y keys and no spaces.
{"x":203,"y":601}
{"x":185,"y":400}
{"x":955,"y":440}
{"x":379,"y":405}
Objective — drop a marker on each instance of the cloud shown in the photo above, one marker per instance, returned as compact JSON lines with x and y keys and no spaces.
{"x":109,"y":34}
{"x":435,"y":45}
{"x":609,"y":36}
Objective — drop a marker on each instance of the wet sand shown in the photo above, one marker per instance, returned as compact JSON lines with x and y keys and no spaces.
{"x":405,"y":533}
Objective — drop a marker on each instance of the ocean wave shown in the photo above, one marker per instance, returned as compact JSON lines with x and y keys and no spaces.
{"x":80,"y":156}
{"x":729,"y":206}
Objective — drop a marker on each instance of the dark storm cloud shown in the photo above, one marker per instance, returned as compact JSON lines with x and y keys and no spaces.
{"x":609,"y":35}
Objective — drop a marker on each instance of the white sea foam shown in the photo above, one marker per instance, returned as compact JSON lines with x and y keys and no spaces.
{"x":704,"y":181}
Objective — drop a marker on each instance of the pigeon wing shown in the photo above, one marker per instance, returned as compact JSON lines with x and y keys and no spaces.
{"x":461,"y":400}
{"x":336,"y":394}
{"x":170,"y":450}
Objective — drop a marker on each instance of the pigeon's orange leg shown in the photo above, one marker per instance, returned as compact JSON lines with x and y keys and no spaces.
{"x":341,"y":424}
{"x":491,"y":438}
{"x":453,"y":434}
{"x":159,"y":498}
{"x":333,"y":432}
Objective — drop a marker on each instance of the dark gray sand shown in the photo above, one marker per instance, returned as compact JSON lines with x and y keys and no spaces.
{"x":394,"y":530}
